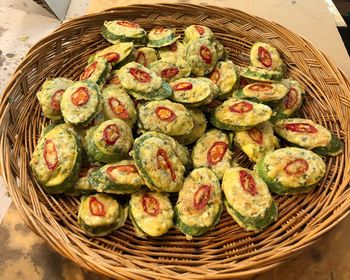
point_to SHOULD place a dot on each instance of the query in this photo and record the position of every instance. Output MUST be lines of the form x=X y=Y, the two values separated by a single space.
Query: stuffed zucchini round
x=118 y=104
x=145 y=56
x=166 y=117
x=263 y=55
x=118 y=178
x=176 y=50
x=50 y=95
x=97 y=71
x=143 y=83
x=211 y=150
x=199 y=205
x=194 y=32
x=151 y=213
x=161 y=36
x=309 y=135
x=201 y=55
x=56 y=159
x=257 y=141
x=82 y=186
x=248 y=199
x=238 y=114
x=291 y=170
x=158 y=164
x=261 y=74
x=117 y=31
x=81 y=102
x=108 y=142
x=100 y=214
x=171 y=69
x=225 y=76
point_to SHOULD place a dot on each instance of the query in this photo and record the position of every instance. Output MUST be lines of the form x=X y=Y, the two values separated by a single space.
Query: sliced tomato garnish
x=264 y=56
x=50 y=154
x=126 y=168
x=173 y=47
x=150 y=205
x=200 y=29
x=112 y=56
x=56 y=100
x=291 y=98
x=201 y=197
x=247 y=182
x=205 y=54
x=241 y=107
x=159 y=30
x=300 y=127
x=165 y=114
x=127 y=23
x=141 y=58
x=118 y=108
x=169 y=72
x=256 y=135
x=215 y=103
x=96 y=207
x=163 y=162
x=183 y=86
x=88 y=71
x=297 y=167
x=215 y=75
x=80 y=97
x=216 y=152
x=140 y=75
x=111 y=134
x=260 y=87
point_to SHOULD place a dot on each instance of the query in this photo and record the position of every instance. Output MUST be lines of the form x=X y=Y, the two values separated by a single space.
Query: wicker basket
x=228 y=252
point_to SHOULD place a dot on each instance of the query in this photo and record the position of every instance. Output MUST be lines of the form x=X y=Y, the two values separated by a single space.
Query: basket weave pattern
x=227 y=252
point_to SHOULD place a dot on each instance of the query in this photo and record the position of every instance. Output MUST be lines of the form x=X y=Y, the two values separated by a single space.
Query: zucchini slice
x=81 y=102
x=166 y=117
x=257 y=141
x=171 y=69
x=145 y=56
x=82 y=185
x=161 y=36
x=176 y=50
x=151 y=213
x=202 y=56
x=225 y=76
x=56 y=159
x=309 y=135
x=199 y=205
x=118 y=178
x=117 y=31
x=238 y=114
x=263 y=55
x=221 y=50
x=261 y=74
x=158 y=164
x=211 y=150
x=97 y=71
x=50 y=95
x=100 y=214
x=291 y=170
x=194 y=32
x=118 y=104
x=109 y=142
x=248 y=199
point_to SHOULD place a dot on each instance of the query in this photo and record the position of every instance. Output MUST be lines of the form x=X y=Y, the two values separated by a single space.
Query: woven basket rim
x=35 y=219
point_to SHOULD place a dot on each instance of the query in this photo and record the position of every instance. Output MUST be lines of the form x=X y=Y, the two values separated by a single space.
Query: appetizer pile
x=151 y=115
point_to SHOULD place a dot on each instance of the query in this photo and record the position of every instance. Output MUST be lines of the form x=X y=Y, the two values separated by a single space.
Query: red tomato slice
x=111 y=134
x=118 y=108
x=112 y=56
x=260 y=87
x=241 y=107
x=127 y=23
x=205 y=54
x=300 y=127
x=50 y=154
x=200 y=29
x=216 y=152
x=141 y=58
x=96 y=207
x=80 y=97
x=163 y=162
x=247 y=182
x=215 y=75
x=165 y=114
x=291 y=98
x=88 y=71
x=256 y=135
x=169 y=72
x=201 y=197
x=56 y=100
x=264 y=56
x=296 y=167
x=150 y=205
x=183 y=86
x=140 y=75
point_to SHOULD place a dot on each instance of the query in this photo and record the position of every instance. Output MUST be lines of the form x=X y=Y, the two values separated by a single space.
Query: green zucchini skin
x=334 y=148
x=164 y=92
x=168 y=39
x=261 y=74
